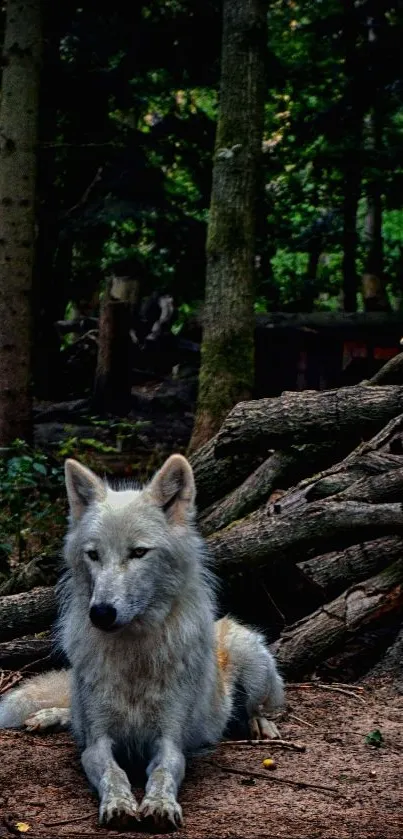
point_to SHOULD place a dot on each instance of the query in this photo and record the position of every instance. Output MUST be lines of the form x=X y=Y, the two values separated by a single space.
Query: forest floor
x=42 y=785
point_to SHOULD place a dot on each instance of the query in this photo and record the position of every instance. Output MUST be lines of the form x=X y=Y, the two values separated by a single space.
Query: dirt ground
x=42 y=785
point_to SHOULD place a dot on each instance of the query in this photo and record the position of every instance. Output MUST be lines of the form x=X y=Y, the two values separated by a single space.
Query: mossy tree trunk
x=227 y=364
x=18 y=139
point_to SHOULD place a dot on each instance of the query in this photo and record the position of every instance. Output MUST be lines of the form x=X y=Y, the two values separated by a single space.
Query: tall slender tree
x=18 y=138
x=227 y=363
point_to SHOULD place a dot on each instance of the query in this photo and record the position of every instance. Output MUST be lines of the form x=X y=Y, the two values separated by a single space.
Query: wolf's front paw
x=163 y=809
x=48 y=718
x=263 y=729
x=119 y=808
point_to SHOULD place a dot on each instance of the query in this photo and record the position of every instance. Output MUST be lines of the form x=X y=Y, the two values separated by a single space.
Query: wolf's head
x=131 y=551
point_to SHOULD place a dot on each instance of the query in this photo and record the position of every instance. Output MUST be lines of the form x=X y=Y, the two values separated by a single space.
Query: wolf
x=152 y=673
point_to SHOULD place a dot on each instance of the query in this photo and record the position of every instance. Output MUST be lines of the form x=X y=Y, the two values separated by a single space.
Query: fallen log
x=294 y=418
x=39 y=571
x=379 y=489
x=332 y=572
x=346 y=323
x=373 y=457
x=276 y=472
x=27 y=613
x=215 y=478
x=261 y=539
x=26 y=652
x=390 y=373
x=383 y=453
x=309 y=641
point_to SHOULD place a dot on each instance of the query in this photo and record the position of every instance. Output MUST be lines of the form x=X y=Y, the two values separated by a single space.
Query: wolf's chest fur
x=133 y=683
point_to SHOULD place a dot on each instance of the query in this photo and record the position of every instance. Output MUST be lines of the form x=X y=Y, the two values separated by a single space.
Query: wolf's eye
x=137 y=553
x=94 y=555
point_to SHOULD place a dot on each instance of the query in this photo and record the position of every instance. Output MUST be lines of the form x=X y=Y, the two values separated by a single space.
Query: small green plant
x=26 y=477
x=184 y=312
x=125 y=431
x=374 y=738
x=74 y=446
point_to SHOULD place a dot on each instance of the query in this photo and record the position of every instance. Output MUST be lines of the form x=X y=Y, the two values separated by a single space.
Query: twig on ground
x=8 y=680
x=11 y=677
x=247 y=772
x=276 y=744
x=334 y=688
x=69 y=821
x=303 y=722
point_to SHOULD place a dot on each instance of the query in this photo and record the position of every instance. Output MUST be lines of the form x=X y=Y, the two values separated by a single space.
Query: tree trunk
x=18 y=139
x=373 y=280
x=227 y=354
x=352 y=184
x=112 y=387
x=53 y=257
x=302 y=646
x=294 y=418
x=22 y=614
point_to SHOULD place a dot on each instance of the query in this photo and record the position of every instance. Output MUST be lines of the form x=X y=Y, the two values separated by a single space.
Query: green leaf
x=39 y=467
x=374 y=738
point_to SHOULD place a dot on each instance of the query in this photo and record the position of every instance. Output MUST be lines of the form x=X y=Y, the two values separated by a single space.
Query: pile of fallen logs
x=306 y=483
x=326 y=502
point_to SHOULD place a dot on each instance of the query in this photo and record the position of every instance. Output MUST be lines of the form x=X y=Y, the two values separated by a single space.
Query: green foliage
x=28 y=480
x=374 y=738
x=184 y=312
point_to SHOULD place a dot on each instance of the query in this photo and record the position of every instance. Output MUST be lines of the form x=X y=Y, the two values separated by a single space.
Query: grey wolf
x=152 y=673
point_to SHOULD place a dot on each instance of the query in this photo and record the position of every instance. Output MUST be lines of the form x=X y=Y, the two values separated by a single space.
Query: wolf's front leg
x=165 y=774
x=117 y=802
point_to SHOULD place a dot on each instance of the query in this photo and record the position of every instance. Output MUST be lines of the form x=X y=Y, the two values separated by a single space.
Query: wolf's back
x=45 y=691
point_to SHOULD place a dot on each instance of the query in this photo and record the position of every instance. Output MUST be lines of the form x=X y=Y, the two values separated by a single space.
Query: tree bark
x=227 y=353
x=112 y=387
x=214 y=478
x=382 y=454
x=301 y=417
x=302 y=646
x=27 y=613
x=276 y=472
x=28 y=651
x=261 y=540
x=333 y=571
x=390 y=373
x=18 y=139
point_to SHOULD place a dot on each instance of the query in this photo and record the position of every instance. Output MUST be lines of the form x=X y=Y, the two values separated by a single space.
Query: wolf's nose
x=103 y=616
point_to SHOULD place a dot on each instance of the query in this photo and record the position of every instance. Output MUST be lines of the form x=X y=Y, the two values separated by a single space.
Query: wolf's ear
x=173 y=488
x=83 y=487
